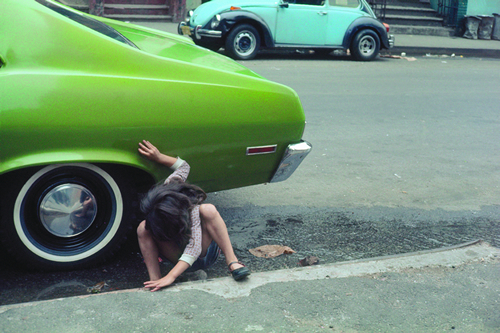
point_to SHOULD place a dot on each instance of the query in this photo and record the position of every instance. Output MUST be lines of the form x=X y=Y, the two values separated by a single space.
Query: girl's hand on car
x=148 y=150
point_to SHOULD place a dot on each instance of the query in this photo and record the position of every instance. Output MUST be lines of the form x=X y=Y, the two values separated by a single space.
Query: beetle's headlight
x=215 y=21
x=189 y=15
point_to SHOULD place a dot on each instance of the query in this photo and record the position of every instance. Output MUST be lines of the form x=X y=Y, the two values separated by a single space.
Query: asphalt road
x=392 y=133
x=405 y=158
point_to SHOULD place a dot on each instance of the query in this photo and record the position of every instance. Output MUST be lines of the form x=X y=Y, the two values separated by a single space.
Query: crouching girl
x=179 y=227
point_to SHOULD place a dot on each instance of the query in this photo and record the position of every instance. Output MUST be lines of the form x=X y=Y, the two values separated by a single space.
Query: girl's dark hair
x=167 y=209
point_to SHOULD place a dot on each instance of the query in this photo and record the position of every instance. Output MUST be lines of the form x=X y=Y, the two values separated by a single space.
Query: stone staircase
x=415 y=17
x=137 y=10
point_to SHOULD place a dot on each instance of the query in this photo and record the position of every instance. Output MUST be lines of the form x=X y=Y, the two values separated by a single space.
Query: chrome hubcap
x=367 y=45
x=245 y=43
x=68 y=210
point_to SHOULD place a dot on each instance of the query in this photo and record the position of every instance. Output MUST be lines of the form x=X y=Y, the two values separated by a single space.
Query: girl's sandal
x=239 y=273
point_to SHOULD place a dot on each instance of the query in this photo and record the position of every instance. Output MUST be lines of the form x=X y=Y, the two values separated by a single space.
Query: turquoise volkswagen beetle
x=243 y=27
x=78 y=92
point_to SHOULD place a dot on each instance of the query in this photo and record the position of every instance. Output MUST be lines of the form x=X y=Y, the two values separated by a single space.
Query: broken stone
x=309 y=261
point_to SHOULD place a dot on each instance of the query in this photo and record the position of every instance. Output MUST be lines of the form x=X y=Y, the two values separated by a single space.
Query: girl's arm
x=181 y=168
x=168 y=279
x=149 y=151
x=193 y=249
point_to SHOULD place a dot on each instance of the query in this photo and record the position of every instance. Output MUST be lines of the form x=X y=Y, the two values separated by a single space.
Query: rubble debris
x=199 y=275
x=398 y=57
x=271 y=251
x=309 y=261
x=97 y=288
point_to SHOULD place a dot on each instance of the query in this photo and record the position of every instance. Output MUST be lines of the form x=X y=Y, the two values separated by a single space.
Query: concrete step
x=421 y=30
x=407 y=3
x=153 y=13
x=80 y=7
x=410 y=11
x=414 y=17
x=413 y=20
x=136 y=2
x=128 y=6
x=127 y=9
x=136 y=9
x=138 y=17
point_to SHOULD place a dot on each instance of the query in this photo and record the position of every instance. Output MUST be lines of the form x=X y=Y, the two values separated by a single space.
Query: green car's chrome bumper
x=292 y=158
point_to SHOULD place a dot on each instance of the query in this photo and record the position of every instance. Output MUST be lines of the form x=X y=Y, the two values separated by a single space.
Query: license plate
x=186 y=30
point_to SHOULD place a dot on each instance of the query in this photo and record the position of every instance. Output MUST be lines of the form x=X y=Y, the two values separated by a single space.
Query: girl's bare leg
x=214 y=228
x=151 y=249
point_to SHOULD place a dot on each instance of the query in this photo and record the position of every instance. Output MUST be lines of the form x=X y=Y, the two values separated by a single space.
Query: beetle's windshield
x=88 y=22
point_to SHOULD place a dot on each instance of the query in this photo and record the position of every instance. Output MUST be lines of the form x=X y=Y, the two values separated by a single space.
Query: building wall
x=192 y=4
x=483 y=7
x=476 y=7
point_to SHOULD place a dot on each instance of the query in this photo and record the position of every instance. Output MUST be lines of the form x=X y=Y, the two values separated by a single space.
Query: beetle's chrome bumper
x=294 y=155
x=197 y=32
x=391 y=40
x=181 y=30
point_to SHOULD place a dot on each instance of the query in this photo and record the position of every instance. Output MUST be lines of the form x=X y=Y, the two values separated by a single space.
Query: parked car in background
x=78 y=94
x=243 y=27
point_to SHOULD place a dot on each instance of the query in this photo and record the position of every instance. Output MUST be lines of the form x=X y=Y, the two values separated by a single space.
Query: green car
x=243 y=27
x=77 y=95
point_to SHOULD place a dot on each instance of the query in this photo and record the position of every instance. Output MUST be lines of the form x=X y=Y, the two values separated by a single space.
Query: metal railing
x=378 y=7
x=448 y=9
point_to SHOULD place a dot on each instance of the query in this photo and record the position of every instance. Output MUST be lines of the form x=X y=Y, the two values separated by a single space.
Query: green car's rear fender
x=101 y=119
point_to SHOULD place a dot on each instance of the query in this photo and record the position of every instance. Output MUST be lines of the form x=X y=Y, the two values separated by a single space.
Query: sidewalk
x=455 y=289
x=412 y=45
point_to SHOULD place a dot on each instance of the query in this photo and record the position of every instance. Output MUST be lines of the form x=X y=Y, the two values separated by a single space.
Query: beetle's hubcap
x=68 y=210
x=245 y=43
x=367 y=45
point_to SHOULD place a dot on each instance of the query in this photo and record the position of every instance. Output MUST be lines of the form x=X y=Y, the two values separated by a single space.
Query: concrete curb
x=424 y=50
x=449 y=256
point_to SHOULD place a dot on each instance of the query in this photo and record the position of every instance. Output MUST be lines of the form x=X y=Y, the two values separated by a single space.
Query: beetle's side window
x=344 y=3
x=308 y=2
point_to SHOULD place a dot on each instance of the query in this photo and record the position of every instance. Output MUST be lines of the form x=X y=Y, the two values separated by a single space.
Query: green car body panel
x=71 y=95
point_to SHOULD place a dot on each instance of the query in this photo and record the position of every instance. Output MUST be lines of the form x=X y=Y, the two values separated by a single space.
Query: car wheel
x=64 y=216
x=243 y=42
x=365 y=45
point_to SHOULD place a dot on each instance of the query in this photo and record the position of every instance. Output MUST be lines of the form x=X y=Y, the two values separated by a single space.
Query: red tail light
x=261 y=150
x=386 y=27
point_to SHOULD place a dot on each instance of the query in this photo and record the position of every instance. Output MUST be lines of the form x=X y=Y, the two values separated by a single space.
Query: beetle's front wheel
x=64 y=216
x=243 y=42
